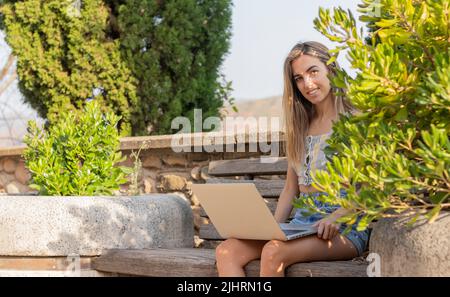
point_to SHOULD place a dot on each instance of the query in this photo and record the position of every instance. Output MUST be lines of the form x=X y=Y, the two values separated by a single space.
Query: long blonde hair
x=298 y=111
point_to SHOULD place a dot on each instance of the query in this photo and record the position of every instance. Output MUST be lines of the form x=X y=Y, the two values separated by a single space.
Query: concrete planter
x=60 y=226
x=422 y=250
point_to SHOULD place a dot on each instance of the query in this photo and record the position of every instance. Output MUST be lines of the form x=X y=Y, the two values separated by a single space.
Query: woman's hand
x=327 y=228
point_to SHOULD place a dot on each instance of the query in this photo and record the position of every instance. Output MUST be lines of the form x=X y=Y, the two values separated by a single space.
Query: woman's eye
x=314 y=72
x=298 y=79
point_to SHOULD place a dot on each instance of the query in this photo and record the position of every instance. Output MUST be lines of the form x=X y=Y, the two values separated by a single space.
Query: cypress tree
x=147 y=61
x=175 y=49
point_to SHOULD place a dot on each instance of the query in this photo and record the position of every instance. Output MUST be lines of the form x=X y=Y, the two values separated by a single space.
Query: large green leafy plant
x=77 y=156
x=393 y=158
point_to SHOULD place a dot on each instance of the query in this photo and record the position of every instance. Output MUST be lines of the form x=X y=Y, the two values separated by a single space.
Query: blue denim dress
x=359 y=239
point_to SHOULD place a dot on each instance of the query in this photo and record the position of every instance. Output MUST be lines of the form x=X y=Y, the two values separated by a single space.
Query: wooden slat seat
x=248 y=167
x=209 y=232
x=201 y=263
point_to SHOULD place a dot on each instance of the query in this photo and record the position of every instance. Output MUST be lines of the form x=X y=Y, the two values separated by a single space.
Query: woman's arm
x=290 y=190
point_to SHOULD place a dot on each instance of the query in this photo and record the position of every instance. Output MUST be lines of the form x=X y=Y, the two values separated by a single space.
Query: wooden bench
x=201 y=261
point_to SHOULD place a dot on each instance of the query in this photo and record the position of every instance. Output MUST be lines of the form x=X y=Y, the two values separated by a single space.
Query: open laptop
x=239 y=211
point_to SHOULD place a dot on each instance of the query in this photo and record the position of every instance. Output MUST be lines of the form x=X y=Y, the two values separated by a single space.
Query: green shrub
x=77 y=156
x=393 y=159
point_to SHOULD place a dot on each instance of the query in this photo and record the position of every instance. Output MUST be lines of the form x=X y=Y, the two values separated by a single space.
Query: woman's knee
x=273 y=251
x=227 y=249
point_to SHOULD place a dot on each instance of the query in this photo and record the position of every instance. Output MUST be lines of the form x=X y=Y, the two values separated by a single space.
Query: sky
x=14 y=114
x=263 y=33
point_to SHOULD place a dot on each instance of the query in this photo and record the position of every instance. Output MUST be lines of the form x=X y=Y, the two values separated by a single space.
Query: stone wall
x=14 y=177
x=164 y=169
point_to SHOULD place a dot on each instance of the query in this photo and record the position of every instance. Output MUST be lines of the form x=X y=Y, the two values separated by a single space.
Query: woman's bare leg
x=233 y=254
x=277 y=255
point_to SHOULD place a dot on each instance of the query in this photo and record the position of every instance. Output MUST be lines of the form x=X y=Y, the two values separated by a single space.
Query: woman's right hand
x=327 y=228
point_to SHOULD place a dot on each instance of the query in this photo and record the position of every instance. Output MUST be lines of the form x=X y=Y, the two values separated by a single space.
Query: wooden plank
x=247 y=167
x=267 y=188
x=42 y=263
x=209 y=232
x=271 y=203
x=158 y=262
x=317 y=269
x=187 y=262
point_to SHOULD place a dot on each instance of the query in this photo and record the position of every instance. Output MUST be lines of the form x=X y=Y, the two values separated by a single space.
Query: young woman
x=310 y=107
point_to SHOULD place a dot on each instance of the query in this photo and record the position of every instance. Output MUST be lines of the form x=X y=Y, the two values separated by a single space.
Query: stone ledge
x=198 y=142
x=46 y=226
x=12 y=151
x=165 y=141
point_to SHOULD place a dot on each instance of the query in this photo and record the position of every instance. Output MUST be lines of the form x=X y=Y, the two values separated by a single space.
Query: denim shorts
x=359 y=239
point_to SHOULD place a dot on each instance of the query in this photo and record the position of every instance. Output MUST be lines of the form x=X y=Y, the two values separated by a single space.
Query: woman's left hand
x=327 y=228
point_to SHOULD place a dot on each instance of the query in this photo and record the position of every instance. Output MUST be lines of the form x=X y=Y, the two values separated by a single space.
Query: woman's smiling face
x=310 y=75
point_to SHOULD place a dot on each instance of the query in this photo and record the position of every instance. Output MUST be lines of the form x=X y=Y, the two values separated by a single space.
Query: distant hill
x=254 y=109
x=270 y=106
